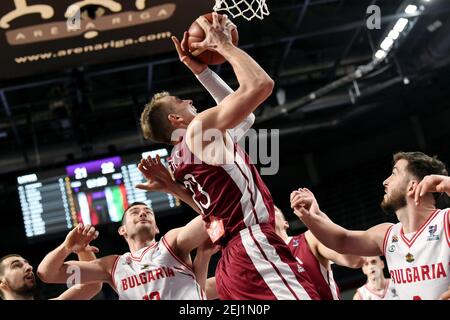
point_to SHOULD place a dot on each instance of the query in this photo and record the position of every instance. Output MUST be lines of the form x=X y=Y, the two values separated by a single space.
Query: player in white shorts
x=417 y=249
x=377 y=286
x=152 y=270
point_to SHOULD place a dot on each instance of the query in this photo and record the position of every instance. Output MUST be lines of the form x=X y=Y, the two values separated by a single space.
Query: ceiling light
x=401 y=25
x=411 y=9
x=387 y=44
x=380 y=54
x=393 y=35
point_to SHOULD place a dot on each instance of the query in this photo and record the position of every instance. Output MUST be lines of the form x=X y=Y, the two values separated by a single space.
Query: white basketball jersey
x=154 y=273
x=389 y=292
x=420 y=265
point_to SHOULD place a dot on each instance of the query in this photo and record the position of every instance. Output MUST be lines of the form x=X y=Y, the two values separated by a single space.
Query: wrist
x=66 y=249
x=224 y=48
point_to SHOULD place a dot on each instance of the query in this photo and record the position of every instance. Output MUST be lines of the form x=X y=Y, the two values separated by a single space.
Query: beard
x=394 y=202
x=25 y=289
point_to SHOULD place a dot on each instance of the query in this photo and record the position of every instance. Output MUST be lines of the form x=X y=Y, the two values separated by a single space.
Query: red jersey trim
x=143 y=253
x=409 y=243
x=385 y=241
x=386 y=287
x=447 y=226
x=174 y=255
x=113 y=270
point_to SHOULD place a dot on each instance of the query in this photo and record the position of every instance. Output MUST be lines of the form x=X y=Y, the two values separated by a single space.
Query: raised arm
x=201 y=262
x=323 y=252
x=185 y=239
x=83 y=291
x=54 y=269
x=217 y=88
x=432 y=183
x=333 y=236
x=159 y=178
x=254 y=83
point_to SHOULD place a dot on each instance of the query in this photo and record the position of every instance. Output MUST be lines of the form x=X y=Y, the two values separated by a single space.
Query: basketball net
x=248 y=9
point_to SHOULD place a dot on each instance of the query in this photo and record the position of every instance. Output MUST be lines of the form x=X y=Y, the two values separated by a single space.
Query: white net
x=247 y=9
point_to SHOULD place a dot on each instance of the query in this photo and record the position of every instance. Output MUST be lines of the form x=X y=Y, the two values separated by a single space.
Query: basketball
x=197 y=34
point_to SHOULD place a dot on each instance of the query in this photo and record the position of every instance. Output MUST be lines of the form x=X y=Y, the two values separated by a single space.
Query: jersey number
x=152 y=296
x=190 y=183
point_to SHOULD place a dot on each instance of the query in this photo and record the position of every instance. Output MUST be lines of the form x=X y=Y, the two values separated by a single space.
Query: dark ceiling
x=304 y=45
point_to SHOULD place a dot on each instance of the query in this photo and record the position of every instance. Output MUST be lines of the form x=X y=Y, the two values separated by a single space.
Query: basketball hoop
x=248 y=9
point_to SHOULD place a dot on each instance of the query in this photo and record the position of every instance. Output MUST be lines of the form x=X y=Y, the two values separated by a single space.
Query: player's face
x=18 y=275
x=373 y=267
x=395 y=187
x=280 y=221
x=141 y=220
x=183 y=108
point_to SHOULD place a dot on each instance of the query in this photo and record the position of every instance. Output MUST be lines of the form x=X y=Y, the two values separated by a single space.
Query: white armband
x=216 y=87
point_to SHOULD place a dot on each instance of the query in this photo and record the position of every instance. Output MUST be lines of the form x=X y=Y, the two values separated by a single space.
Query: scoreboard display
x=93 y=192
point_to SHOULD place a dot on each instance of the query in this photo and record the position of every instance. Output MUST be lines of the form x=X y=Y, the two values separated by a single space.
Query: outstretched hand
x=157 y=175
x=195 y=66
x=304 y=203
x=217 y=33
x=432 y=183
x=79 y=238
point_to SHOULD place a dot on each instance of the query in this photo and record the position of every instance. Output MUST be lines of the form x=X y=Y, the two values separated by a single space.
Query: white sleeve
x=218 y=89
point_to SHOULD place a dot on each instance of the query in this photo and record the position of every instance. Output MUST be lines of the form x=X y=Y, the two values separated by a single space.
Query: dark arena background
x=345 y=100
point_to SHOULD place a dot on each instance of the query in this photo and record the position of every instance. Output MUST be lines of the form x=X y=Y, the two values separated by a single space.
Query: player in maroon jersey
x=215 y=176
x=315 y=258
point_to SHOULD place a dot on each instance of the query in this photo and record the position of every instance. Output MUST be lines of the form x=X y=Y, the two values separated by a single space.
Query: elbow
x=43 y=274
x=266 y=86
x=262 y=87
x=46 y=275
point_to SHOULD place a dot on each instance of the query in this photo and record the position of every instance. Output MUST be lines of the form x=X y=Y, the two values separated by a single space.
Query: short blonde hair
x=154 y=122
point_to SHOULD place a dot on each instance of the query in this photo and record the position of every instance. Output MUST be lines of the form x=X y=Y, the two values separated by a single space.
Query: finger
x=199 y=45
x=91 y=232
x=417 y=194
x=143 y=187
x=203 y=23
x=80 y=228
x=158 y=159
x=224 y=22
x=93 y=249
x=426 y=187
x=215 y=17
x=184 y=42
x=303 y=212
x=176 y=42
x=86 y=229
x=148 y=162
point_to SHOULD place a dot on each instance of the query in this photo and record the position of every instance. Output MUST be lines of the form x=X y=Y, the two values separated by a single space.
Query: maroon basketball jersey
x=233 y=192
x=322 y=278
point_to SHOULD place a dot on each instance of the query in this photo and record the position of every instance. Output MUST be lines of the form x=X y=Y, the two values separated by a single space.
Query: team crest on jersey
x=295 y=243
x=127 y=259
x=409 y=257
x=394 y=238
x=432 y=230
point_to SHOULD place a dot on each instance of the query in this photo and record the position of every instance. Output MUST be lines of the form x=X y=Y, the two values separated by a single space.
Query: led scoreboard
x=93 y=192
